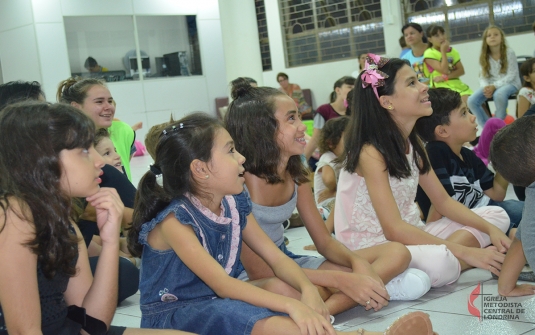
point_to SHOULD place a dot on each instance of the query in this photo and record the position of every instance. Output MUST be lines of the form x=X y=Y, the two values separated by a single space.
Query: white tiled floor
x=447 y=306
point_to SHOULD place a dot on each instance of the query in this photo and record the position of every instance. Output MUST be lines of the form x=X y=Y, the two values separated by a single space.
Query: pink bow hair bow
x=372 y=76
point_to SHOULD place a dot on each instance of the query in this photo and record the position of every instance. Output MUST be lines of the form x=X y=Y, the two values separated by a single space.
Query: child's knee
x=438 y=262
x=497 y=216
x=399 y=254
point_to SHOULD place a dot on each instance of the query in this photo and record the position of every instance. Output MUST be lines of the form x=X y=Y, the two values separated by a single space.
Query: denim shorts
x=208 y=315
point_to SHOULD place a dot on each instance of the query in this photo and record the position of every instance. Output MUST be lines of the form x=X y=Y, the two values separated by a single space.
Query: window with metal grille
x=317 y=31
x=263 y=34
x=465 y=20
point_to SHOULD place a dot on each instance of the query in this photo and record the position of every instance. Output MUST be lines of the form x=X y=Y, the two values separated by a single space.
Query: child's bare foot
x=310 y=247
x=414 y=323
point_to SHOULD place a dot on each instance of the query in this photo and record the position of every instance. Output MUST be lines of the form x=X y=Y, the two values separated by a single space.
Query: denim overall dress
x=172 y=296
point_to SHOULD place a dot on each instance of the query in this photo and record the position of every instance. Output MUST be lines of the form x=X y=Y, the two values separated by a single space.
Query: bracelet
x=445 y=77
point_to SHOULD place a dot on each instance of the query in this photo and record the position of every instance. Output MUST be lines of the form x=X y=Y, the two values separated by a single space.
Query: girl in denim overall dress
x=190 y=216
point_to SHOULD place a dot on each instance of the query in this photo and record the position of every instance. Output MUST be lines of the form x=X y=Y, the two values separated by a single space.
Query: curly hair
x=32 y=136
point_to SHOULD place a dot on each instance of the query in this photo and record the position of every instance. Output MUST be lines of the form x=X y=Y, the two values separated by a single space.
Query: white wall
x=33 y=47
x=321 y=77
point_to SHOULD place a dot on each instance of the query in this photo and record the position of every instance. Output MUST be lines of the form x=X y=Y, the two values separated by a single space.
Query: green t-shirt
x=122 y=136
x=454 y=84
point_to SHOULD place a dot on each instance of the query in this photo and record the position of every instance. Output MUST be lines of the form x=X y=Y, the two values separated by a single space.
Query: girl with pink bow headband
x=385 y=162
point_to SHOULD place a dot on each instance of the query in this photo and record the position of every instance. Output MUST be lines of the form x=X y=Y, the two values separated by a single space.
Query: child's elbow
x=390 y=233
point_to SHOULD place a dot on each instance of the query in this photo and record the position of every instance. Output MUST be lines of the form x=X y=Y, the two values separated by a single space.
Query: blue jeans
x=513 y=208
x=501 y=99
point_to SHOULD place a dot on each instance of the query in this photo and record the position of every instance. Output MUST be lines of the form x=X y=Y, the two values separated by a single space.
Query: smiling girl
x=92 y=97
x=385 y=163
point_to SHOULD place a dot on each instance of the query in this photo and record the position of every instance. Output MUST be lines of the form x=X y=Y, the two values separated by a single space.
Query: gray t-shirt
x=271 y=219
x=526 y=228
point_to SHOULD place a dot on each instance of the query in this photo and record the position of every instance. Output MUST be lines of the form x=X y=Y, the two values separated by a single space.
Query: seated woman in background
x=294 y=92
x=416 y=41
x=526 y=96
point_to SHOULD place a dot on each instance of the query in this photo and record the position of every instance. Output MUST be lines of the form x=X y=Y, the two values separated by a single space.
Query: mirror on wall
x=105 y=47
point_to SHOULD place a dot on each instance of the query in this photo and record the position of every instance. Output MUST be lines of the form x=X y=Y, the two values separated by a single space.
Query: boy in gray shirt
x=512 y=154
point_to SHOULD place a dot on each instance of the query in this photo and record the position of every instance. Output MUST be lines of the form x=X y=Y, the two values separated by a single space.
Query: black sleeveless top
x=53 y=306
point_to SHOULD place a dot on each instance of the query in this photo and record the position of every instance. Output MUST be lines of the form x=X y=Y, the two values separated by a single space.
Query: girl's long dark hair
x=32 y=136
x=372 y=124
x=182 y=141
x=251 y=122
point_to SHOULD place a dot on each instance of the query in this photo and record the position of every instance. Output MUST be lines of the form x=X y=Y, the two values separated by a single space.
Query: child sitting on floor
x=514 y=157
x=464 y=175
x=327 y=169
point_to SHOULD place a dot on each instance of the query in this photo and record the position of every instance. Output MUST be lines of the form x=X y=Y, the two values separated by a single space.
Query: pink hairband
x=371 y=75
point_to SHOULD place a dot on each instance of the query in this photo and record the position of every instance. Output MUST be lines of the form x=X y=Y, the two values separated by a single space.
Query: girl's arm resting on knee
x=457 y=212
x=523 y=106
x=182 y=239
x=98 y=295
x=499 y=189
x=357 y=286
x=327 y=246
x=512 y=266
x=373 y=169
x=284 y=268
x=19 y=293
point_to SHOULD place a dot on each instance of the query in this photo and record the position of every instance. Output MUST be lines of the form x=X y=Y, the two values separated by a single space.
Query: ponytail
x=150 y=200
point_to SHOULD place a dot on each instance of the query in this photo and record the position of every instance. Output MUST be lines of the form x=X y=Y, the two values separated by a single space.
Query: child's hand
x=520 y=290
x=486 y=259
x=363 y=289
x=499 y=240
x=109 y=213
x=308 y=321
x=488 y=91
x=438 y=79
x=444 y=47
x=312 y=299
